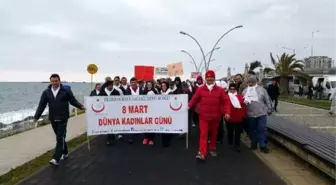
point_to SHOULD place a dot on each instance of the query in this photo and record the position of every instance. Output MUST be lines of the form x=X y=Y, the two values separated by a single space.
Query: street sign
x=92 y=69
x=161 y=71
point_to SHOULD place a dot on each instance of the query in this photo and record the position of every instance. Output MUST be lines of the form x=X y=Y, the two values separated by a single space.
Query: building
x=318 y=62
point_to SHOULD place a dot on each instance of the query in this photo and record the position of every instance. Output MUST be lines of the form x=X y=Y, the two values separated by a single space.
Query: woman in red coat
x=235 y=123
x=213 y=103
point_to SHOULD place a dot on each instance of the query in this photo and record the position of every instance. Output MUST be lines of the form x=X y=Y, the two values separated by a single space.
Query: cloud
x=39 y=37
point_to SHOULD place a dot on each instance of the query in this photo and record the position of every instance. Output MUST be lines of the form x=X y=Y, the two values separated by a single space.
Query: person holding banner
x=109 y=90
x=124 y=85
x=149 y=90
x=214 y=102
x=118 y=86
x=133 y=89
x=165 y=90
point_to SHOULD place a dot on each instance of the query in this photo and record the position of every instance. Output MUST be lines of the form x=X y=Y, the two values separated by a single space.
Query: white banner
x=161 y=71
x=136 y=114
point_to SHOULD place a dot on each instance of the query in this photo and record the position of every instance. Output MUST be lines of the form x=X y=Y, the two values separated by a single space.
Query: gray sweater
x=261 y=107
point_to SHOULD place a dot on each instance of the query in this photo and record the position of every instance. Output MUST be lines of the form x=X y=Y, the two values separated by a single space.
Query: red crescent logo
x=99 y=110
x=175 y=109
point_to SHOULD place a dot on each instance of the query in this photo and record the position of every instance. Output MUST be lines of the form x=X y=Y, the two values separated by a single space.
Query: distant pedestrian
x=57 y=97
x=274 y=92
x=333 y=102
x=95 y=92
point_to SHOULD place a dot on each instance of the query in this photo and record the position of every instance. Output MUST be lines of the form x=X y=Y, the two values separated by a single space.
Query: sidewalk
x=21 y=148
x=311 y=117
x=136 y=164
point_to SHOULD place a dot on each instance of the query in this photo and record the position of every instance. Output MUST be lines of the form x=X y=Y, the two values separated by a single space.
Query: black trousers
x=233 y=133
x=166 y=139
x=275 y=101
x=110 y=137
x=60 y=129
x=149 y=136
x=220 y=135
x=195 y=118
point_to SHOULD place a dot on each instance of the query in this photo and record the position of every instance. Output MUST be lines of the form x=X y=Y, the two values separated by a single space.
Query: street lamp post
x=192 y=58
x=206 y=56
x=204 y=66
x=199 y=45
x=207 y=66
x=312 y=42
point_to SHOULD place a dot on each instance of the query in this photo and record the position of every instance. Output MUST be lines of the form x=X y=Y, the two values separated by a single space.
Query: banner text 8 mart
x=136 y=114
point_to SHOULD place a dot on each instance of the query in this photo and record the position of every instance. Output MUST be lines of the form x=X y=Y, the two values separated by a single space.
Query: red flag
x=144 y=72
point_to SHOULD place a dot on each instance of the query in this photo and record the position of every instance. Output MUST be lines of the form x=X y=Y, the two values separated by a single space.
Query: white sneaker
x=120 y=136
x=64 y=157
x=53 y=162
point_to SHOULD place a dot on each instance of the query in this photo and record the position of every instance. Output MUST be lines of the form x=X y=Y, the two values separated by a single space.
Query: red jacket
x=212 y=104
x=237 y=115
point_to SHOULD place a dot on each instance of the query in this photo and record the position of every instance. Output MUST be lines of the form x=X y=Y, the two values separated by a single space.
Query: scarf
x=210 y=87
x=118 y=89
x=234 y=100
x=108 y=92
x=125 y=86
x=167 y=92
x=251 y=94
x=198 y=85
x=150 y=92
x=136 y=92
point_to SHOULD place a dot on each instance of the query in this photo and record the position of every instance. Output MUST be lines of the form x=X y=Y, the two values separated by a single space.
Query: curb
x=268 y=164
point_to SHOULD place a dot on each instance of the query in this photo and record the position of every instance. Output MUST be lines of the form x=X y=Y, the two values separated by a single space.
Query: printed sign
x=195 y=74
x=92 y=69
x=161 y=71
x=136 y=114
x=175 y=69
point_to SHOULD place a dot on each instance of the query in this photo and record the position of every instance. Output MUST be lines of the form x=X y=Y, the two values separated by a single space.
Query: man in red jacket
x=213 y=104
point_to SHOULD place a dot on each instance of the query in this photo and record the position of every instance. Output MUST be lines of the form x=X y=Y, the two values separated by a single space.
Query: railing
x=21 y=121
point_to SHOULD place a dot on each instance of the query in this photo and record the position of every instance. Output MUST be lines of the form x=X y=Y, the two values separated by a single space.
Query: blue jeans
x=258 y=130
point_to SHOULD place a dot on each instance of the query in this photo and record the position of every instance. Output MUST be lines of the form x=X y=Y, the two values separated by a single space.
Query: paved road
x=124 y=164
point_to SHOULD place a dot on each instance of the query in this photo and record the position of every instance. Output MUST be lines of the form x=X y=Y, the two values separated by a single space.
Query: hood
x=199 y=78
x=179 y=80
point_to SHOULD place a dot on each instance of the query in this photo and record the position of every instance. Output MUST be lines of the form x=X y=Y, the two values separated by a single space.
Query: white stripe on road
x=312 y=115
x=323 y=127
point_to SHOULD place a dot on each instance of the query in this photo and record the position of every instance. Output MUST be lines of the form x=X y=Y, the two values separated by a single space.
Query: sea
x=19 y=100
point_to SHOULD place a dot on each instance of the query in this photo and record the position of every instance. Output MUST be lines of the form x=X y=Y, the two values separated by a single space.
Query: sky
x=40 y=37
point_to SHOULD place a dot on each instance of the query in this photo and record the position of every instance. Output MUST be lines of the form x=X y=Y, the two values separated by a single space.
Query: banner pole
x=187 y=140
x=87 y=136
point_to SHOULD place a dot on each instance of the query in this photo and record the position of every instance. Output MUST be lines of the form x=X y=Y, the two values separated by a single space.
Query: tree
x=286 y=66
x=254 y=65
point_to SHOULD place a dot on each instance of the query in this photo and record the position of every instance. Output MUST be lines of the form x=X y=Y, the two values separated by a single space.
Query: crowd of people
x=241 y=103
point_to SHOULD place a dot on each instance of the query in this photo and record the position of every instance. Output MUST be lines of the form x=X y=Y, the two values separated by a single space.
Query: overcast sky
x=40 y=37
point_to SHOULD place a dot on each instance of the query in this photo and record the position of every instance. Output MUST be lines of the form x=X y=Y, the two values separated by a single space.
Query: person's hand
x=83 y=108
x=227 y=116
x=269 y=113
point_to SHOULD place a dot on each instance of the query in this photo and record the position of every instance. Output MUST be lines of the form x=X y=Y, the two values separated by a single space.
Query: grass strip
x=321 y=104
x=16 y=175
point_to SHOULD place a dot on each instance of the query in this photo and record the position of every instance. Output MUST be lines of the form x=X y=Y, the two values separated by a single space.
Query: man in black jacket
x=133 y=89
x=57 y=98
x=273 y=92
x=95 y=92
